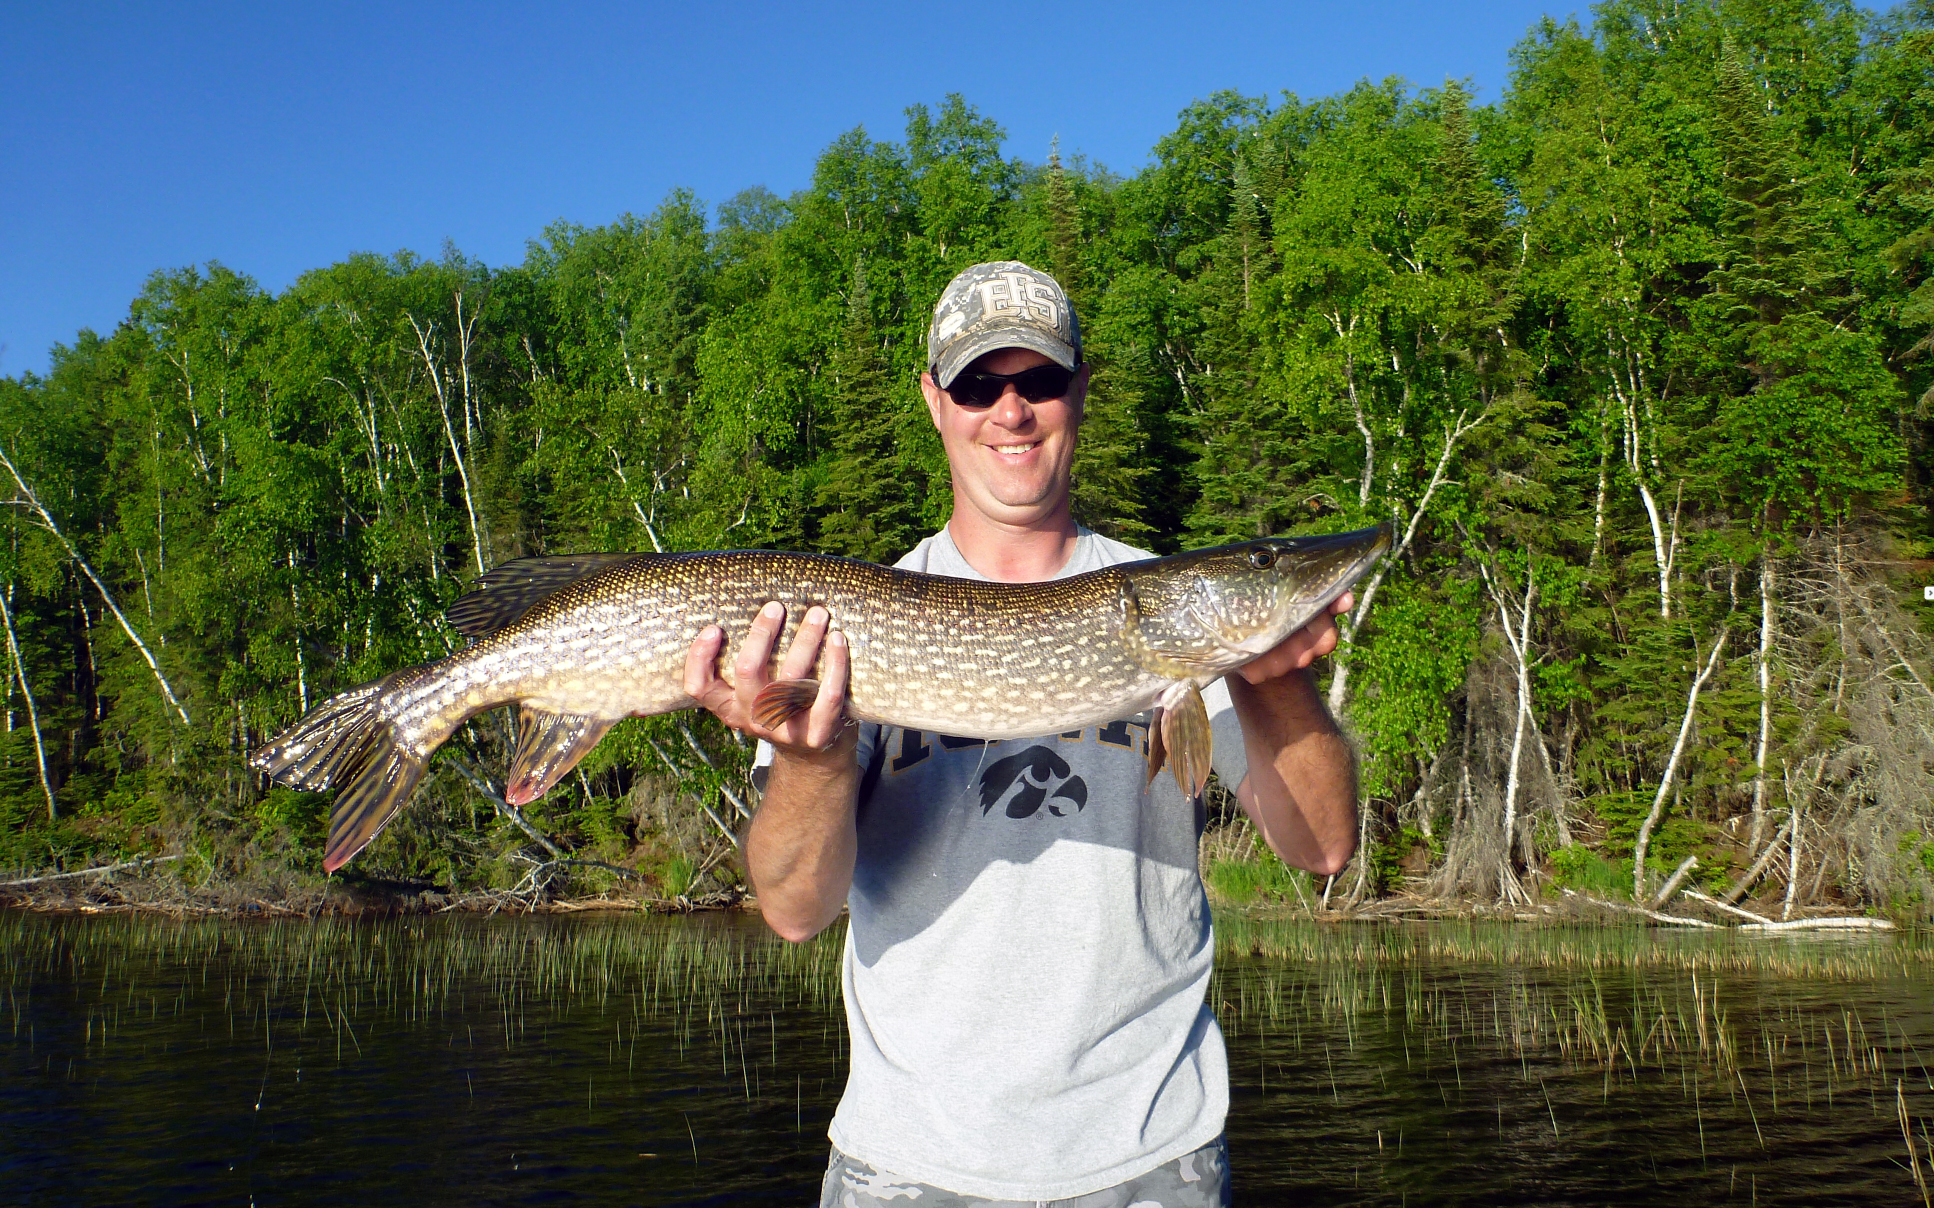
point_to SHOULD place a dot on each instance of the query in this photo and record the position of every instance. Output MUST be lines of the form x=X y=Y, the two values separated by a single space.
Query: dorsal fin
x=512 y=589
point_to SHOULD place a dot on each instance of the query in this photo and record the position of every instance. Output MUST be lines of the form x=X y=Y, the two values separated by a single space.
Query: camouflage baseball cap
x=1004 y=304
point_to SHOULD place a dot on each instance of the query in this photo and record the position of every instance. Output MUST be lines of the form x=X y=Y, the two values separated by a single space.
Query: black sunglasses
x=1036 y=385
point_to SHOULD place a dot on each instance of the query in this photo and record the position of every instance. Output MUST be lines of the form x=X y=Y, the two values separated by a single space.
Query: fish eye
x=1262 y=559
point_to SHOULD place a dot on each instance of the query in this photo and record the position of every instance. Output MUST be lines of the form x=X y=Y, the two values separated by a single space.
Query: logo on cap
x=1017 y=291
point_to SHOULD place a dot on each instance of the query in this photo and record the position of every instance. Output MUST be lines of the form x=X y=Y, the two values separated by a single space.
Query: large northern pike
x=579 y=642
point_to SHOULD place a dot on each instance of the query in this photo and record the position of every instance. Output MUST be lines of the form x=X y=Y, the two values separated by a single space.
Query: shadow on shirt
x=936 y=811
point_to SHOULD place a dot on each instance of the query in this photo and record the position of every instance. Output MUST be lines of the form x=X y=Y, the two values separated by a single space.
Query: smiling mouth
x=1015 y=450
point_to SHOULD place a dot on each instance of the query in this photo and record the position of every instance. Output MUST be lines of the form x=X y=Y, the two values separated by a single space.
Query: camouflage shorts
x=1194 y=1180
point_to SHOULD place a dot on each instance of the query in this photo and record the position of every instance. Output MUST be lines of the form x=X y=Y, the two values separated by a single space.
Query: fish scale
x=582 y=641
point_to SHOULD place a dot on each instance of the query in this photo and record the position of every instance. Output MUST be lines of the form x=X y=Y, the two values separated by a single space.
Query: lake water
x=622 y=1059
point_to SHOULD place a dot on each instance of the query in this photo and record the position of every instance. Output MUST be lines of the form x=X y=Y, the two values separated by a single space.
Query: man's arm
x=800 y=846
x=1301 y=790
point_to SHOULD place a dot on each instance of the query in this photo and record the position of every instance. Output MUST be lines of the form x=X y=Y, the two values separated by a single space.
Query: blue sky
x=278 y=137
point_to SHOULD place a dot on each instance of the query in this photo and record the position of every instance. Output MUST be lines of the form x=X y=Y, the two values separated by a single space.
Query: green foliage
x=1387 y=855
x=1914 y=849
x=676 y=876
x=1262 y=876
x=300 y=820
x=1412 y=667
x=1580 y=868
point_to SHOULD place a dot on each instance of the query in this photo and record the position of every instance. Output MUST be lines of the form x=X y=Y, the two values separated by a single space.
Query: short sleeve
x=761 y=765
x=1231 y=759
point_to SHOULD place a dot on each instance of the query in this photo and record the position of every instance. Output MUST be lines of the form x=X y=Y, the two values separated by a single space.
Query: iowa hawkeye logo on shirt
x=1037 y=776
x=1035 y=770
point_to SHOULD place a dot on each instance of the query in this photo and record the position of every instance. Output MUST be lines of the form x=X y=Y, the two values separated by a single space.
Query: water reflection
x=620 y=1059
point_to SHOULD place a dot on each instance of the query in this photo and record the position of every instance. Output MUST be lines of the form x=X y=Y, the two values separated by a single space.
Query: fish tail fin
x=386 y=775
x=347 y=743
x=320 y=751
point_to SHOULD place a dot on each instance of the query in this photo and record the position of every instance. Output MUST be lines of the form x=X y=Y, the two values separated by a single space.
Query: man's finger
x=804 y=651
x=701 y=662
x=828 y=714
x=1297 y=651
x=755 y=652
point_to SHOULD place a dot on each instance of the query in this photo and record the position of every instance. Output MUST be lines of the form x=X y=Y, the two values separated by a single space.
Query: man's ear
x=1078 y=392
x=931 y=393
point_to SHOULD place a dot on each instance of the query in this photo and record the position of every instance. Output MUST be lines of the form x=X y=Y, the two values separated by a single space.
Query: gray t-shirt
x=1029 y=952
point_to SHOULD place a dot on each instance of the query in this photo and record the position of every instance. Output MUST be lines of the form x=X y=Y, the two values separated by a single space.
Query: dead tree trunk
x=1766 y=621
x=1672 y=765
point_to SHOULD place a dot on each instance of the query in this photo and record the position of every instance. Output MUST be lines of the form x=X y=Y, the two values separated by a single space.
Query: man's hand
x=1300 y=649
x=818 y=732
x=1301 y=787
x=800 y=847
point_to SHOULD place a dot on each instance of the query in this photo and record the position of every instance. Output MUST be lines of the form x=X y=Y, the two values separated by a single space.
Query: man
x=1029 y=945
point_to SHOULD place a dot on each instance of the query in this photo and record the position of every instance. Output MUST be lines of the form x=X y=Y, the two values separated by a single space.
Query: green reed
x=1761 y=1037
x=344 y=974
x=1817 y=956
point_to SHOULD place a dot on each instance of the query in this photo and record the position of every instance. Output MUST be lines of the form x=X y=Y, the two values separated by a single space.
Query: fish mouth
x=1328 y=566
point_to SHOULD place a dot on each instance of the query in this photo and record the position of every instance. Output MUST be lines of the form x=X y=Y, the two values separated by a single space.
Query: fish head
x=1204 y=613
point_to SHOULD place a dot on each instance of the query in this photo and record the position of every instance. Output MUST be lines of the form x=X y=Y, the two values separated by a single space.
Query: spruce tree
x=1803 y=404
x=870 y=509
x=1064 y=232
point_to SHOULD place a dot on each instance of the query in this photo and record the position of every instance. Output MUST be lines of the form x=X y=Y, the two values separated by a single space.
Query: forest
x=1635 y=360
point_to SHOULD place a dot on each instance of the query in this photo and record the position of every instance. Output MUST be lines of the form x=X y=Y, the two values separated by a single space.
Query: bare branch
x=47 y=520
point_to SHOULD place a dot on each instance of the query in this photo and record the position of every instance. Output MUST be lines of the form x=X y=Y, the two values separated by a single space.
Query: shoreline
x=359 y=899
x=78 y=895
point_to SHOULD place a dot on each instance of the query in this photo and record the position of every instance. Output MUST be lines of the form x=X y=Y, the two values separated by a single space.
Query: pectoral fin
x=779 y=700
x=1157 y=753
x=549 y=745
x=1186 y=740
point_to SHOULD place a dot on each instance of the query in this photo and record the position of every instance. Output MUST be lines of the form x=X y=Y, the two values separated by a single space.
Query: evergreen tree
x=869 y=510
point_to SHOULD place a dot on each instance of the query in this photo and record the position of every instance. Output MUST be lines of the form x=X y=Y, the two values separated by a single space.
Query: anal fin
x=1187 y=741
x=548 y=746
x=779 y=700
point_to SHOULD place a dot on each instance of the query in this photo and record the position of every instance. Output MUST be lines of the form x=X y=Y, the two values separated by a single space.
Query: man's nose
x=1010 y=409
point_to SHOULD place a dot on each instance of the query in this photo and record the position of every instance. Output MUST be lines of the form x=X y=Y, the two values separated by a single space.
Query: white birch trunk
x=1665 y=544
x=1353 y=621
x=33 y=715
x=1519 y=641
x=1672 y=766
x=1604 y=487
x=423 y=334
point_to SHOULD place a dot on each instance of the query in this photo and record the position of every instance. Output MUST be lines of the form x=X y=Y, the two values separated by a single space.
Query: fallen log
x=1728 y=907
x=90 y=872
x=1654 y=915
x=1841 y=924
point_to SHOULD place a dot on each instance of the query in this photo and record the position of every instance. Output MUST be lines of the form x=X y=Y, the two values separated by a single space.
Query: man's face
x=1012 y=460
